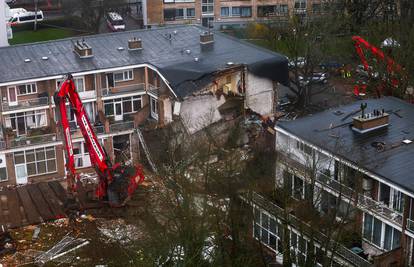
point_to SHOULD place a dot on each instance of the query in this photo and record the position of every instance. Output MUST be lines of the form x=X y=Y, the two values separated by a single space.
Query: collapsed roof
x=175 y=51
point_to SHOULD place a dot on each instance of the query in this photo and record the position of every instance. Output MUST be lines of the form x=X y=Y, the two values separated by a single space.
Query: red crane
x=391 y=66
x=116 y=182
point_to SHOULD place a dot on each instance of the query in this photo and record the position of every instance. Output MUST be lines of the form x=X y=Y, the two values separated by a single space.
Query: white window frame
x=154 y=107
x=45 y=160
x=208 y=4
x=83 y=157
x=382 y=237
x=32 y=86
x=127 y=75
x=122 y=100
x=37 y=120
x=76 y=81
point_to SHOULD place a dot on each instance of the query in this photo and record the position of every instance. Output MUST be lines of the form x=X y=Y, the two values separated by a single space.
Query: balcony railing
x=379 y=209
x=152 y=89
x=32 y=140
x=335 y=185
x=122 y=126
x=121 y=90
x=340 y=250
x=30 y=103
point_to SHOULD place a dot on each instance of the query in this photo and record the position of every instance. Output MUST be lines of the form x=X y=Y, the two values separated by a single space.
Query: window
x=235 y=11
x=38 y=161
x=81 y=155
x=303 y=147
x=26 y=89
x=266 y=229
x=21 y=122
x=384 y=194
x=300 y=4
x=207 y=6
x=246 y=11
x=129 y=105
x=190 y=12
x=381 y=234
x=123 y=76
x=225 y=12
x=154 y=108
x=169 y=14
x=264 y=11
x=3 y=174
x=79 y=83
x=298 y=188
x=284 y=9
x=179 y=13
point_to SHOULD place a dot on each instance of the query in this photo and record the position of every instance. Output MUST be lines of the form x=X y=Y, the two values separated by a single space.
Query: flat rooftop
x=172 y=50
x=331 y=131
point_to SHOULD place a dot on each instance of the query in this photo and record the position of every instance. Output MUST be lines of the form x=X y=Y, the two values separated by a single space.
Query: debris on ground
x=36 y=233
x=118 y=231
x=7 y=244
x=59 y=252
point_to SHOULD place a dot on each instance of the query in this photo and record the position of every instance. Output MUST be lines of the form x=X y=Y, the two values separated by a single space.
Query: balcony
x=153 y=90
x=23 y=141
x=335 y=185
x=123 y=90
x=379 y=209
x=341 y=251
x=30 y=103
x=121 y=126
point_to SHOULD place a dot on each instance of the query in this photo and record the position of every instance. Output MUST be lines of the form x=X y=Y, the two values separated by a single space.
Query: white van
x=115 y=22
x=21 y=15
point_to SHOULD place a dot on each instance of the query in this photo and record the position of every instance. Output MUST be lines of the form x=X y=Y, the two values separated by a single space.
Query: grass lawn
x=21 y=37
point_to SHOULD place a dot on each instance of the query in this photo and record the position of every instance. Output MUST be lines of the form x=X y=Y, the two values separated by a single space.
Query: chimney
x=206 y=41
x=83 y=49
x=371 y=121
x=206 y=38
x=135 y=44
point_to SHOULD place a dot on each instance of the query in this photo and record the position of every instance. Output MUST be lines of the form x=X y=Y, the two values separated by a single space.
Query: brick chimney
x=83 y=49
x=135 y=44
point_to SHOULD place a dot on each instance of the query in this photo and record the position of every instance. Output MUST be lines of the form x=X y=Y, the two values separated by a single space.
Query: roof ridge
x=77 y=37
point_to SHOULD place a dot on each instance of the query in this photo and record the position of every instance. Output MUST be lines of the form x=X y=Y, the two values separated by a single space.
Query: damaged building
x=125 y=80
x=353 y=163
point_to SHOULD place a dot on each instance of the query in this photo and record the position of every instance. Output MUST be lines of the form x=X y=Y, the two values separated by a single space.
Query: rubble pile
x=117 y=231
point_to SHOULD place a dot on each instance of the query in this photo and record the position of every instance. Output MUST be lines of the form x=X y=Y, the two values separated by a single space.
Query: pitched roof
x=169 y=55
x=395 y=164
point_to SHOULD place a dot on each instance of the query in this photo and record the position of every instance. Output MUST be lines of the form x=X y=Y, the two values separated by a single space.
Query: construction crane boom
x=116 y=182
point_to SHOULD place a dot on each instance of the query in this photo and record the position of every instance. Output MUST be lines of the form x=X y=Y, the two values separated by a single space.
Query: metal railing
x=335 y=185
x=29 y=103
x=379 y=209
x=121 y=90
x=32 y=140
x=153 y=89
x=340 y=250
x=122 y=126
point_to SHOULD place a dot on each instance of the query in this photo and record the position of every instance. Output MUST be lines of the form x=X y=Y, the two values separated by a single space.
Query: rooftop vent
x=135 y=44
x=83 y=49
x=27 y=60
x=371 y=121
x=45 y=58
x=206 y=40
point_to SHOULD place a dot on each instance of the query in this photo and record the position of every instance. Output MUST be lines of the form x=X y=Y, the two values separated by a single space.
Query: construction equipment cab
x=116 y=182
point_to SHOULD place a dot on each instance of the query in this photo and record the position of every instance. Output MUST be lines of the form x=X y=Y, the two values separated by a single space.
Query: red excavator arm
x=392 y=66
x=116 y=182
